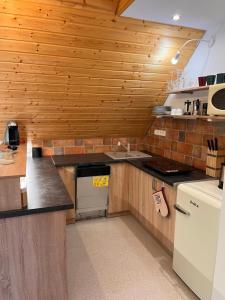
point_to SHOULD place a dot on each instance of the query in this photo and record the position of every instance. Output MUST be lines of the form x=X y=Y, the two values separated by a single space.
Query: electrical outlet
x=163 y=132
x=160 y=132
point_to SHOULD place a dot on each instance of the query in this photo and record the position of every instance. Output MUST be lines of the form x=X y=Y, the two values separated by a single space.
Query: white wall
x=203 y=14
x=205 y=61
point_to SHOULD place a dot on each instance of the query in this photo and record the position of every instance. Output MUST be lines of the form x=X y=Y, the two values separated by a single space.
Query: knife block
x=214 y=162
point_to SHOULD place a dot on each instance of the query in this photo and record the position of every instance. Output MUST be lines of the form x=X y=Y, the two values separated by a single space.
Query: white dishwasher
x=196 y=234
x=92 y=191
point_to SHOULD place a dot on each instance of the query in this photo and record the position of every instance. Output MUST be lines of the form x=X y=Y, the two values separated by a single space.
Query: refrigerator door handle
x=181 y=210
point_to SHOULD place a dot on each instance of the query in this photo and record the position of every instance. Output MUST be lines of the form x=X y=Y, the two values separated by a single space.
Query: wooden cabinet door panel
x=118 y=189
x=147 y=203
x=134 y=190
x=67 y=175
x=141 y=205
x=166 y=225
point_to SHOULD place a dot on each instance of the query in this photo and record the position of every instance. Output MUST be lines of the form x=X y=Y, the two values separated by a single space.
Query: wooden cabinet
x=140 y=195
x=33 y=257
x=118 y=189
x=164 y=227
x=141 y=186
x=135 y=189
x=161 y=227
x=131 y=189
x=67 y=175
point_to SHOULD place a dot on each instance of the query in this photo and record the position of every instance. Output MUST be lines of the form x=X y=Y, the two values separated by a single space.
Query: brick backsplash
x=81 y=146
x=185 y=141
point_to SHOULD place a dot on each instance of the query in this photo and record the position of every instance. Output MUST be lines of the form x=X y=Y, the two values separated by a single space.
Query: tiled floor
x=116 y=259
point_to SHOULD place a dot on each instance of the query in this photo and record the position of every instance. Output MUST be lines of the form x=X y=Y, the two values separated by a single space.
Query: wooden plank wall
x=73 y=70
x=122 y=6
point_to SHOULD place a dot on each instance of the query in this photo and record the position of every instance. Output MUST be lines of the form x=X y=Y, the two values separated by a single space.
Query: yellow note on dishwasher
x=100 y=181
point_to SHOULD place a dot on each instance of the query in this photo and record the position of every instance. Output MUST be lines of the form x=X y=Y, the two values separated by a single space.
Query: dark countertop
x=99 y=158
x=81 y=159
x=173 y=180
x=45 y=190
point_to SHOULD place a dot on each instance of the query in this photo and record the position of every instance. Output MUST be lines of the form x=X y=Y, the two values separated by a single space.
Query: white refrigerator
x=196 y=235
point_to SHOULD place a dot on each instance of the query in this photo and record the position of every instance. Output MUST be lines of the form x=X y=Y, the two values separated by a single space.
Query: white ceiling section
x=202 y=14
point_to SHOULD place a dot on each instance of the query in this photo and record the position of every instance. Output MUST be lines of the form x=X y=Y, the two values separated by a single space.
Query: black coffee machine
x=12 y=137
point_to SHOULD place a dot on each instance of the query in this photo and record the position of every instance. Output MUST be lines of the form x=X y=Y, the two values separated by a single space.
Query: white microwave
x=216 y=99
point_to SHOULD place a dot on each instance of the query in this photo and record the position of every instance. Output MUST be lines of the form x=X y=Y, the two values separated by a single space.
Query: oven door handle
x=181 y=210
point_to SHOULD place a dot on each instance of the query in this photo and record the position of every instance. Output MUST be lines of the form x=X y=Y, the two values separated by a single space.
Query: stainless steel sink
x=127 y=155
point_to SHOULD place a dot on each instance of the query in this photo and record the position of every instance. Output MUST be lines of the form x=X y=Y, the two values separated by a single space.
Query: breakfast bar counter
x=45 y=190
x=33 y=239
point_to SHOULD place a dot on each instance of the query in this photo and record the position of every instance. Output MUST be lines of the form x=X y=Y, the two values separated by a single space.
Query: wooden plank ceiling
x=122 y=5
x=72 y=68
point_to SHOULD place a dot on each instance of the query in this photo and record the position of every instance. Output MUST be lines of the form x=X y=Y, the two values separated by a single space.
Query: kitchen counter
x=99 y=158
x=81 y=159
x=33 y=240
x=18 y=169
x=45 y=190
x=173 y=180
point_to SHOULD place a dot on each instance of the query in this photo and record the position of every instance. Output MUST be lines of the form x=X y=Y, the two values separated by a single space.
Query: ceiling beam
x=122 y=6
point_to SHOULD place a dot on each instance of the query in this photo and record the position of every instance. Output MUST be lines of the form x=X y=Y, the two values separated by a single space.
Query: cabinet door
x=146 y=205
x=118 y=189
x=134 y=186
x=165 y=226
x=67 y=176
x=141 y=205
x=140 y=195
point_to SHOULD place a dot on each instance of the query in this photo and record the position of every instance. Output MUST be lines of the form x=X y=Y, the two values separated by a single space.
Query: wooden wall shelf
x=189 y=90
x=206 y=118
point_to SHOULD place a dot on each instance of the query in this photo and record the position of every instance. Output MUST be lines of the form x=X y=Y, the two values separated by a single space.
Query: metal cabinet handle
x=181 y=210
x=154 y=184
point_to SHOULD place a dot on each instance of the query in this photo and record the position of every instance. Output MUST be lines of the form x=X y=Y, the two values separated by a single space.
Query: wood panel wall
x=122 y=6
x=70 y=70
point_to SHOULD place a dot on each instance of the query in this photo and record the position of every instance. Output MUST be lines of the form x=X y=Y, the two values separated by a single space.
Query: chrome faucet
x=127 y=148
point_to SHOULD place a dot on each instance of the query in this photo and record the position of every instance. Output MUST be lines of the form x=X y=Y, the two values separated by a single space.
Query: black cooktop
x=167 y=166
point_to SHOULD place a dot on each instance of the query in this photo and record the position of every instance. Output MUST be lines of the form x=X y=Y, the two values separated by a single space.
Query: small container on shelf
x=214 y=161
x=161 y=110
x=187 y=105
x=204 y=109
x=202 y=80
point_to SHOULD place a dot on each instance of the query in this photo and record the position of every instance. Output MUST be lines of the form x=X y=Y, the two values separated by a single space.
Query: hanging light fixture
x=177 y=56
x=176 y=17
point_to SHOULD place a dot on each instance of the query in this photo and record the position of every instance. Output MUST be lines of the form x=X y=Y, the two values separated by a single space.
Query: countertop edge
x=42 y=178
x=167 y=180
x=33 y=211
